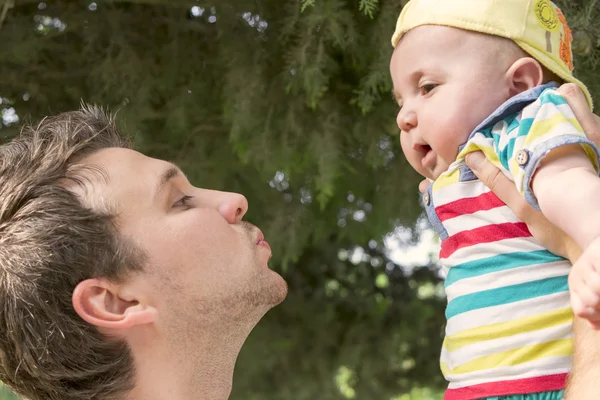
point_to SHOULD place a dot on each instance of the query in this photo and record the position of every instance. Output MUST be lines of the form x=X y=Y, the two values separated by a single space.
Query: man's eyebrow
x=170 y=173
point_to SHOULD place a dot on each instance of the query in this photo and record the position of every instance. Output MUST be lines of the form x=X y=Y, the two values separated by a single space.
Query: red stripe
x=470 y=205
x=538 y=384
x=484 y=234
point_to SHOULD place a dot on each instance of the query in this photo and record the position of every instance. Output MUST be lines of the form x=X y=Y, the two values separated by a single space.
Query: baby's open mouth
x=428 y=158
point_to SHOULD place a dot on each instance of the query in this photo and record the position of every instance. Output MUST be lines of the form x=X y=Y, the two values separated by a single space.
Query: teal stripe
x=499 y=262
x=525 y=126
x=487 y=132
x=550 y=97
x=506 y=295
x=513 y=123
x=554 y=395
x=506 y=153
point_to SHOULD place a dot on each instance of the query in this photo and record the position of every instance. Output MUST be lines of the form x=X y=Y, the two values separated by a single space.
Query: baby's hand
x=424 y=185
x=584 y=285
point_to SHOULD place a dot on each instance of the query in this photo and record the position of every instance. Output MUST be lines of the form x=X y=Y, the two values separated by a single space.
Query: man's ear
x=524 y=74
x=108 y=305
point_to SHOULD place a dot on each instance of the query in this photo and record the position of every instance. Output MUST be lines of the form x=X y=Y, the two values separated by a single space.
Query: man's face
x=446 y=81
x=204 y=264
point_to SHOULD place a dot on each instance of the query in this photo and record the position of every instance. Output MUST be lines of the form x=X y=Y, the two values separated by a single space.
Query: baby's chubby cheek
x=448 y=148
x=448 y=155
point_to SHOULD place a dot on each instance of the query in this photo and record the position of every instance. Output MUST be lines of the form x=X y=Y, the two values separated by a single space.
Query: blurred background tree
x=287 y=102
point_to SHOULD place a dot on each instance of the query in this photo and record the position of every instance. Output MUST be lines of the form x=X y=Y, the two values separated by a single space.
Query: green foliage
x=289 y=103
x=306 y=3
x=6 y=394
x=368 y=6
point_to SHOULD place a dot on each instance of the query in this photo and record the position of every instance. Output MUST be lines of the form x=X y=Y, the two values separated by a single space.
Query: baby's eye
x=428 y=87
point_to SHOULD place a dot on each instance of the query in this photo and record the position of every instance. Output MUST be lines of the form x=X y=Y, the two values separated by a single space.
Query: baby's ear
x=524 y=74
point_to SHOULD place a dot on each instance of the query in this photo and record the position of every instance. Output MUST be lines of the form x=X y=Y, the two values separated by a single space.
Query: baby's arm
x=568 y=193
x=567 y=189
x=555 y=166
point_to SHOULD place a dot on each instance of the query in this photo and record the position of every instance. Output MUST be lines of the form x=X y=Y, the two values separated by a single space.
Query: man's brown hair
x=49 y=242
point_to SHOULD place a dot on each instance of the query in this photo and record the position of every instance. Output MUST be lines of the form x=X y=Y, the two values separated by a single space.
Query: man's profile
x=118 y=278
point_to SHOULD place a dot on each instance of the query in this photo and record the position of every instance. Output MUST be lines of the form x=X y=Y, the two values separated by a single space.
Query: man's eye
x=425 y=89
x=183 y=202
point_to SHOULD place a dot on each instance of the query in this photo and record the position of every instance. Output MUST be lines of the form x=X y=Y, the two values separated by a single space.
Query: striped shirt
x=508 y=315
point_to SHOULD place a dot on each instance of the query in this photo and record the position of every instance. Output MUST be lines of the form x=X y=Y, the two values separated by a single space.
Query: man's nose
x=232 y=206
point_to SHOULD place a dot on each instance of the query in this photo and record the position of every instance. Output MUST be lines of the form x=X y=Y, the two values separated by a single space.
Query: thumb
x=475 y=160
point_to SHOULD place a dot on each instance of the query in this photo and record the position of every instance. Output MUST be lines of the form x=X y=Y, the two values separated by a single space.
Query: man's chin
x=278 y=289
x=269 y=288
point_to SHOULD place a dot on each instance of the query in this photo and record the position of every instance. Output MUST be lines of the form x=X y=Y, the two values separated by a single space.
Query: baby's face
x=446 y=82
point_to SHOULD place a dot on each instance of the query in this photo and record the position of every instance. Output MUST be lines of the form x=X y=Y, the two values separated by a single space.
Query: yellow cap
x=537 y=26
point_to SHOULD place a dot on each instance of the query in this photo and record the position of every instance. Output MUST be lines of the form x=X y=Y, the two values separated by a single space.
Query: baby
x=474 y=75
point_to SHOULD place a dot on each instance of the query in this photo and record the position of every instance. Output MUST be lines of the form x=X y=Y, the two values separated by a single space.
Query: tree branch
x=172 y=3
x=6 y=5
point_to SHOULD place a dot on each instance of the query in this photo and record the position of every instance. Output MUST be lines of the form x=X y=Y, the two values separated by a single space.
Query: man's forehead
x=113 y=173
x=116 y=158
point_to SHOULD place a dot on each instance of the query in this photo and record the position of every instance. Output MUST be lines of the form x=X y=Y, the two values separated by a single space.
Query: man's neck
x=164 y=371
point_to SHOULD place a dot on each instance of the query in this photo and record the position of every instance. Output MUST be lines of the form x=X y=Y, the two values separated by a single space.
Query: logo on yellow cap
x=546 y=15
x=565 y=41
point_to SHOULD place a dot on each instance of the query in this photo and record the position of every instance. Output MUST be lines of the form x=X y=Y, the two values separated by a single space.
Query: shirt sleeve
x=544 y=125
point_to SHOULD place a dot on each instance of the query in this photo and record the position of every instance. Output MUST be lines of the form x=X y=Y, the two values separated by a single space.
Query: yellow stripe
x=489 y=152
x=541 y=128
x=517 y=173
x=446 y=179
x=525 y=354
x=451 y=177
x=509 y=328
